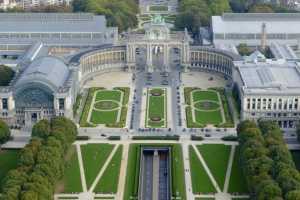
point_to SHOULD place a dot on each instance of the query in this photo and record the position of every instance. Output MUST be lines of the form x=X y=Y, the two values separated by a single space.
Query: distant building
x=56 y=28
x=236 y=28
x=28 y=4
x=269 y=90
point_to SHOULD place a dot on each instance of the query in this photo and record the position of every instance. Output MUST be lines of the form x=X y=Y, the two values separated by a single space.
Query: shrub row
x=168 y=137
x=267 y=163
x=41 y=162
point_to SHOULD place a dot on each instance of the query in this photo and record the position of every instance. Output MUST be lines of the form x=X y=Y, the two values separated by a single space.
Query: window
x=61 y=103
x=4 y=104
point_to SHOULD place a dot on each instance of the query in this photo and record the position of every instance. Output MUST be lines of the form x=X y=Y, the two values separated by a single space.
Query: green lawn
x=216 y=157
x=132 y=172
x=94 y=157
x=132 y=175
x=106 y=100
x=208 y=102
x=109 y=181
x=104 y=117
x=86 y=109
x=108 y=95
x=72 y=181
x=208 y=117
x=156 y=108
x=201 y=95
x=237 y=183
x=8 y=160
x=200 y=180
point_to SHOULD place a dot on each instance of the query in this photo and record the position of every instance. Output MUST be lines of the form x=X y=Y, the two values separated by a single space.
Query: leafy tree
x=4 y=130
x=218 y=7
x=41 y=129
x=293 y=195
x=6 y=75
x=268 y=190
x=243 y=49
x=261 y=8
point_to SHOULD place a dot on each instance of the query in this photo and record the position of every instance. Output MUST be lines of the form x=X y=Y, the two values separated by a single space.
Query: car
x=207 y=135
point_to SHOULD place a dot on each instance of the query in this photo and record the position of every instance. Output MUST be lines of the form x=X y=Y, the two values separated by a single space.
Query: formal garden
x=207 y=107
x=100 y=170
x=156 y=111
x=105 y=107
x=215 y=169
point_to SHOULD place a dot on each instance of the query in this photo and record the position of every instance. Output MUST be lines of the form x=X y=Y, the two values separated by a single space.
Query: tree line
x=41 y=163
x=195 y=13
x=120 y=13
x=267 y=163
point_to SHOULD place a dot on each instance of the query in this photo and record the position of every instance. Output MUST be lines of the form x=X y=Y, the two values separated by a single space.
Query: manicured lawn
x=104 y=117
x=94 y=156
x=200 y=180
x=72 y=181
x=108 y=95
x=132 y=172
x=205 y=95
x=107 y=101
x=109 y=181
x=86 y=109
x=216 y=157
x=132 y=176
x=156 y=108
x=201 y=98
x=296 y=158
x=8 y=160
x=237 y=183
x=208 y=117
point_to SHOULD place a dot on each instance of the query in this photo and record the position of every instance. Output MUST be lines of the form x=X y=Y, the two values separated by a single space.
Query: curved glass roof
x=48 y=70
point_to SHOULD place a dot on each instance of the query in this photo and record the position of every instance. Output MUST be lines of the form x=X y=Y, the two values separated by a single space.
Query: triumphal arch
x=158 y=36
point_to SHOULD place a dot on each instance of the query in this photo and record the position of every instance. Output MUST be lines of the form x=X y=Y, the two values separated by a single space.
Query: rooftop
x=262 y=77
x=252 y=22
x=51 y=22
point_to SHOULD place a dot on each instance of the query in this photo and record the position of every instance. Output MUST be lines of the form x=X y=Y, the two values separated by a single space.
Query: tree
x=293 y=195
x=261 y=8
x=118 y=13
x=41 y=129
x=243 y=49
x=268 y=190
x=6 y=75
x=218 y=7
x=4 y=131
